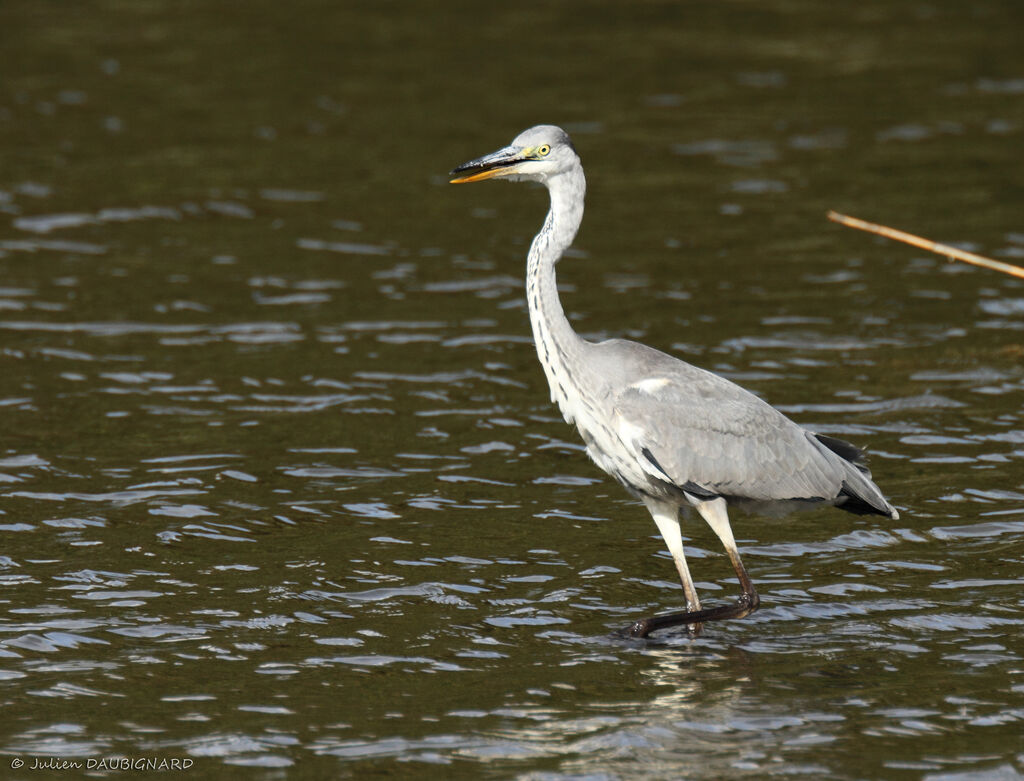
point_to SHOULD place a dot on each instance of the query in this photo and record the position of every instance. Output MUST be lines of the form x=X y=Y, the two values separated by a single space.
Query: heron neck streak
x=558 y=345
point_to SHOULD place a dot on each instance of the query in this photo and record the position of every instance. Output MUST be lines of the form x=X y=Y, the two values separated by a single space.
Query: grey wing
x=704 y=434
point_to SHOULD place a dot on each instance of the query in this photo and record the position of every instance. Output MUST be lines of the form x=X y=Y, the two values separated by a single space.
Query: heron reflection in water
x=672 y=434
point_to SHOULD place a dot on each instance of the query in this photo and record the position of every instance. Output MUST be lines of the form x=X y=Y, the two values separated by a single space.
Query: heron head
x=535 y=155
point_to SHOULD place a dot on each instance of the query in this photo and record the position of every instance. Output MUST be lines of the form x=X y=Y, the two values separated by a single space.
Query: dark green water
x=281 y=492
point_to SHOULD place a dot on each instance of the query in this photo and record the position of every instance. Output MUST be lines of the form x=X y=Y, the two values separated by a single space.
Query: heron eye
x=542 y=151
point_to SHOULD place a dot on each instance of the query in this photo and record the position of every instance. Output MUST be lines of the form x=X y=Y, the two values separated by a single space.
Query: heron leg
x=714 y=512
x=666 y=516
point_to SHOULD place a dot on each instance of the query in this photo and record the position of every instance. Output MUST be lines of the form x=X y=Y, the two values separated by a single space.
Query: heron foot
x=744 y=606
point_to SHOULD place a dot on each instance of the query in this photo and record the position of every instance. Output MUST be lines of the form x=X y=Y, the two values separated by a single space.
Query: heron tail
x=859 y=494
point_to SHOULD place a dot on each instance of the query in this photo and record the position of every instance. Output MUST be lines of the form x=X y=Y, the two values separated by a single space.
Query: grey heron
x=674 y=435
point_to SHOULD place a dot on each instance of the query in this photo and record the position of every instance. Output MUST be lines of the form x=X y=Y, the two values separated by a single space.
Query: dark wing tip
x=844 y=450
x=857 y=504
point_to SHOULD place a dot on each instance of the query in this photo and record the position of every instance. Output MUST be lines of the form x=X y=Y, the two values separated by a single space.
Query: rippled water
x=280 y=485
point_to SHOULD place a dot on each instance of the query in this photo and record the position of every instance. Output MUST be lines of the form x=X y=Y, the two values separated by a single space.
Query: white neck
x=558 y=345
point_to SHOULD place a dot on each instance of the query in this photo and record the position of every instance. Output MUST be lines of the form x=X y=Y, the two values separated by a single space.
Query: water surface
x=281 y=491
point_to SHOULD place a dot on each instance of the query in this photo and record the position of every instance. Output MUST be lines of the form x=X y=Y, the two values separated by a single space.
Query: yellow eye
x=542 y=150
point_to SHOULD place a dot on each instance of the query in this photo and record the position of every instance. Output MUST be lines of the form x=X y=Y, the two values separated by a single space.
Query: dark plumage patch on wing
x=689 y=486
x=844 y=450
x=650 y=457
x=699 y=491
